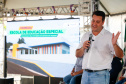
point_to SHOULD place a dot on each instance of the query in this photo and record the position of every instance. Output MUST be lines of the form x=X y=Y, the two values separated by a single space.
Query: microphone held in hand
x=90 y=38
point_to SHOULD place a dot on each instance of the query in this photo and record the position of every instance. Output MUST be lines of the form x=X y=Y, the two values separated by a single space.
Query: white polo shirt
x=101 y=51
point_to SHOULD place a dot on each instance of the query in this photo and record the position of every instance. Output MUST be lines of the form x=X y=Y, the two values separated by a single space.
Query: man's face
x=96 y=23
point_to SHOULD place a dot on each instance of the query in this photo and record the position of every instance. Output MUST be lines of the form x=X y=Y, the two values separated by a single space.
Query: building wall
x=65 y=49
x=53 y=49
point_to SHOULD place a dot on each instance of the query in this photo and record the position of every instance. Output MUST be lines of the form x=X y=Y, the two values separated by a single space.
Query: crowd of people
x=98 y=56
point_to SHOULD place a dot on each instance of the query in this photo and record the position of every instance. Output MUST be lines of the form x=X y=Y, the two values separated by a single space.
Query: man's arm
x=118 y=50
x=121 y=78
x=73 y=70
x=78 y=72
x=80 y=52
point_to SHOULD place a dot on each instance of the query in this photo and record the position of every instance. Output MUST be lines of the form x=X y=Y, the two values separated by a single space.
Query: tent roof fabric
x=112 y=6
x=10 y=4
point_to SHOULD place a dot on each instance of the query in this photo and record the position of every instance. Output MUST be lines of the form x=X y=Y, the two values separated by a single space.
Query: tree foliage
x=21 y=40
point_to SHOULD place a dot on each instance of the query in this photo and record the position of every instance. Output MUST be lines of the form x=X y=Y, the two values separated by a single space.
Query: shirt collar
x=101 y=33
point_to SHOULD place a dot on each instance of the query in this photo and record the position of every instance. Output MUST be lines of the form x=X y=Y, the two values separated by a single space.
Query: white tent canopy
x=111 y=7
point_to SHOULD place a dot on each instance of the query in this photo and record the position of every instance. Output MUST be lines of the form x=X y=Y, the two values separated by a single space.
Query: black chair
x=6 y=80
x=55 y=80
x=41 y=80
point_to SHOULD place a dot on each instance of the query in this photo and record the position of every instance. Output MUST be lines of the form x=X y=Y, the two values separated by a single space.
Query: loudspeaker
x=41 y=80
x=6 y=80
x=56 y=80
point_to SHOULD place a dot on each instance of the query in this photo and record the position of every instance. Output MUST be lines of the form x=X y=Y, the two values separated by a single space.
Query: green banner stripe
x=39 y=35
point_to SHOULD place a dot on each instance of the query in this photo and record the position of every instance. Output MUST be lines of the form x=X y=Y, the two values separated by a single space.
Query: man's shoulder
x=107 y=32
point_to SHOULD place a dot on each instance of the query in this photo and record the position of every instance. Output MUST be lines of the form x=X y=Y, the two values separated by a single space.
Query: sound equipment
x=41 y=80
x=6 y=81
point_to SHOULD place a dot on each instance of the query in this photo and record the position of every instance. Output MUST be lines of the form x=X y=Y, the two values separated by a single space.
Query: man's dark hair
x=99 y=13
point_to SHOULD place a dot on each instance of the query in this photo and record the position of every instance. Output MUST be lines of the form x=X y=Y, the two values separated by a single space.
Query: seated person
x=122 y=79
x=77 y=71
x=116 y=68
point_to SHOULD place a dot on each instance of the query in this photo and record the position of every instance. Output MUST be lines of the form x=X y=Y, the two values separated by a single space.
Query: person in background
x=76 y=71
x=117 y=66
x=122 y=78
x=98 y=47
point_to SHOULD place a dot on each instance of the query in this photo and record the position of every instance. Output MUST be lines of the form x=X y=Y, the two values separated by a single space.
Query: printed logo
x=25 y=27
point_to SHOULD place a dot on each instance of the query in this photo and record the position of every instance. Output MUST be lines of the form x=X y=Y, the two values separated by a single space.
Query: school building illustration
x=52 y=48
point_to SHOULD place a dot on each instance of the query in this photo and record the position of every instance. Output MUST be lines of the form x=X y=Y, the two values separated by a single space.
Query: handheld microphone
x=90 y=38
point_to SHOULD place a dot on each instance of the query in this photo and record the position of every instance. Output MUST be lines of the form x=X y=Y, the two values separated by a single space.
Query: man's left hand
x=115 y=38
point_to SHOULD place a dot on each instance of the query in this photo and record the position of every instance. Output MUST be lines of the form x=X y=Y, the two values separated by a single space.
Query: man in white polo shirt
x=98 y=48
